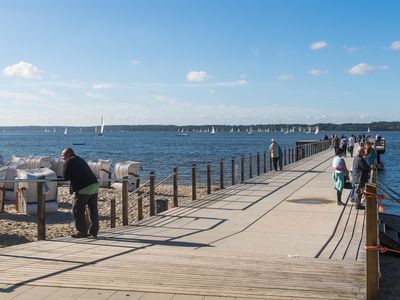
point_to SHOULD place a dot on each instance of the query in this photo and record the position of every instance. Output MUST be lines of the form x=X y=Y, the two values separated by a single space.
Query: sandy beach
x=21 y=228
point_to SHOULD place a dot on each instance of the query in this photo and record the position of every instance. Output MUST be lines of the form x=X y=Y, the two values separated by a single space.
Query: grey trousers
x=79 y=210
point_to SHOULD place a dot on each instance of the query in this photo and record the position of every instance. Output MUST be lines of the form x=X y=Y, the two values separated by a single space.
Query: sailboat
x=66 y=131
x=212 y=130
x=250 y=131
x=316 y=130
x=309 y=130
x=102 y=126
x=369 y=129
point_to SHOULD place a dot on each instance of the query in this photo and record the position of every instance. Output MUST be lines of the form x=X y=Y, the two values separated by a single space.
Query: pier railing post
x=284 y=156
x=41 y=210
x=372 y=241
x=194 y=182
x=265 y=161
x=242 y=168
x=251 y=165
x=140 y=205
x=175 y=187
x=125 y=220
x=293 y=154
x=258 y=164
x=221 y=174
x=233 y=182
x=208 y=178
x=151 y=193
x=112 y=212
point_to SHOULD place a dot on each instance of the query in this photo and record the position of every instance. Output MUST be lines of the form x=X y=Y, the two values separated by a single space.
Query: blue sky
x=199 y=62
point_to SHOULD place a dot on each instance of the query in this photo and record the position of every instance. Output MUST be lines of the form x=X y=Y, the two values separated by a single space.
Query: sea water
x=162 y=151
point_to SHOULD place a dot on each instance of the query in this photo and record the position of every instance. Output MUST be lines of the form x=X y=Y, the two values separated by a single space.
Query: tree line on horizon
x=374 y=126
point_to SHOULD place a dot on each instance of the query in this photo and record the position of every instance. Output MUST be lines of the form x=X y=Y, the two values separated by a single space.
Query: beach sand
x=21 y=228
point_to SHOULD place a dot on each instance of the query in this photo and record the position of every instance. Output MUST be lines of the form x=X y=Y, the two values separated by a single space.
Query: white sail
x=369 y=129
x=212 y=130
x=102 y=126
x=316 y=130
x=250 y=131
x=309 y=130
x=66 y=131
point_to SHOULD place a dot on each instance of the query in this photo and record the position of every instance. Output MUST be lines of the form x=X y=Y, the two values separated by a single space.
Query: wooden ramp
x=257 y=240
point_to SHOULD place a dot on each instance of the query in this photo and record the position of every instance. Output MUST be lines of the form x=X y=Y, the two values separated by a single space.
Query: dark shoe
x=93 y=236
x=340 y=203
x=359 y=206
x=79 y=235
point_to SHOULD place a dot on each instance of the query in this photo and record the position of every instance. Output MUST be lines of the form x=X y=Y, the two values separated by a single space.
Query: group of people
x=361 y=167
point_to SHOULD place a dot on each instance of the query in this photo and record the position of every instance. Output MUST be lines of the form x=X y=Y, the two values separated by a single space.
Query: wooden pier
x=279 y=235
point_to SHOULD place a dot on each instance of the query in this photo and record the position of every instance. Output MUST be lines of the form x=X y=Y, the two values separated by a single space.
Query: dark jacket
x=78 y=172
x=360 y=170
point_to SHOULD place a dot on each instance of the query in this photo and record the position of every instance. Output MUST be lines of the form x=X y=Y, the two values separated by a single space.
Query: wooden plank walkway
x=257 y=240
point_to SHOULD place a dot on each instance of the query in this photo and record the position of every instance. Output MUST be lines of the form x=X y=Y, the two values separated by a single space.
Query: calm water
x=161 y=151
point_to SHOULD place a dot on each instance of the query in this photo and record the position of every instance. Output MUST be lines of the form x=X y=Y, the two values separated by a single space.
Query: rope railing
x=205 y=175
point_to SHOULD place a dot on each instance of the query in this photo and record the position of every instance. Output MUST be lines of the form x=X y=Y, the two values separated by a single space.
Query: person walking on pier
x=85 y=186
x=361 y=170
x=340 y=171
x=280 y=158
x=335 y=143
x=274 y=153
x=350 y=145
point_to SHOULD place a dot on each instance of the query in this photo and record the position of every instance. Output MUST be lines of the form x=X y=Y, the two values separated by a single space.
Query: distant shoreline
x=374 y=126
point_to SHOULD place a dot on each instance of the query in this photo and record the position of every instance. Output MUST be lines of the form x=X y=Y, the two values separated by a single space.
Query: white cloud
x=196 y=76
x=134 y=62
x=12 y=96
x=318 y=45
x=22 y=69
x=317 y=72
x=94 y=96
x=101 y=86
x=395 y=45
x=363 y=68
x=285 y=77
x=164 y=99
x=243 y=82
x=352 y=50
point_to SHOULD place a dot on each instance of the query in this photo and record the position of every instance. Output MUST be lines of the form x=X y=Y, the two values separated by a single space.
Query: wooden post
x=152 y=192
x=293 y=154
x=221 y=174
x=137 y=183
x=175 y=187
x=140 y=205
x=233 y=171
x=241 y=168
x=251 y=165
x=3 y=197
x=41 y=211
x=112 y=210
x=194 y=182
x=371 y=240
x=258 y=164
x=265 y=161
x=284 y=156
x=208 y=178
x=125 y=220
